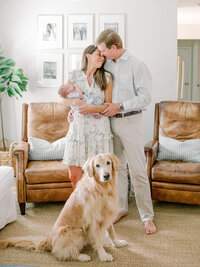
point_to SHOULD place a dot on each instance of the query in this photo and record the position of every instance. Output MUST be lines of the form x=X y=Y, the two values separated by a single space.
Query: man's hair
x=109 y=38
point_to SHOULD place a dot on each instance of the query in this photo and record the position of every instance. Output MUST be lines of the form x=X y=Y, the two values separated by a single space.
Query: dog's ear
x=115 y=162
x=88 y=166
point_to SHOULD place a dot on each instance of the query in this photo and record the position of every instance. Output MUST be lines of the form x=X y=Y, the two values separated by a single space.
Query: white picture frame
x=115 y=22
x=50 y=31
x=49 y=70
x=74 y=61
x=80 y=30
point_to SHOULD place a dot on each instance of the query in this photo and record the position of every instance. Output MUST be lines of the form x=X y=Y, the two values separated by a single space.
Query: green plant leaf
x=18 y=92
x=16 y=78
x=11 y=91
x=12 y=81
x=2 y=79
x=7 y=62
x=21 y=71
x=22 y=77
x=23 y=89
x=2 y=87
x=10 y=62
x=15 y=72
x=23 y=85
x=5 y=71
x=14 y=85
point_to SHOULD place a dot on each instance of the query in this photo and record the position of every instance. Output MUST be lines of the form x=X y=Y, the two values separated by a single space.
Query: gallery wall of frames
x=61 y=40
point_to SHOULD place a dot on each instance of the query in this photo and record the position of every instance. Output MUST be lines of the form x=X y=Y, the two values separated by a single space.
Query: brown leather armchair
x=174 y=181
x=42 y=181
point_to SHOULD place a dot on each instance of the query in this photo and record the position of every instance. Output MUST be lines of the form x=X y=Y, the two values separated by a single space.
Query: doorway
x=189 y=53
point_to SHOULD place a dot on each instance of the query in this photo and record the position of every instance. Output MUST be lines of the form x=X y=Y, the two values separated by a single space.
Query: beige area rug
x=177 y=242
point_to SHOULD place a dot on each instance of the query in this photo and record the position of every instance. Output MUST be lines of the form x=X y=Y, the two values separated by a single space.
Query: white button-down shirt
x=132 y=82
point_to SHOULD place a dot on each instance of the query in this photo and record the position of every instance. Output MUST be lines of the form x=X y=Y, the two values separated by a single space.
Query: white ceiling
x=188 y=12
x=188 y=3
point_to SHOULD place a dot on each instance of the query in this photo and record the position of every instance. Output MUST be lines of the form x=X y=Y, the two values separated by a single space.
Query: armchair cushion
x=176 y=172
x=172 y=149
x=40 y=172
x=41 y=149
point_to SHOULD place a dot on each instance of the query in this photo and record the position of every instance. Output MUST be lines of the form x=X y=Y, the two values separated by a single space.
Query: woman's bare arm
x=86 y=108
x=73 y=102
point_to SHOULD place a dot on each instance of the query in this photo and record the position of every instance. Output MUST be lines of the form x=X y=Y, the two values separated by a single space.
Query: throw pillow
x=43 y=150
x=172 y=149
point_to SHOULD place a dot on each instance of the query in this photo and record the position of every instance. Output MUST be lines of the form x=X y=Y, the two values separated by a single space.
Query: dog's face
x=102 y=166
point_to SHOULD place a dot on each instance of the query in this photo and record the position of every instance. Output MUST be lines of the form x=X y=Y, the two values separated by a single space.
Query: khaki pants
x=129 y=146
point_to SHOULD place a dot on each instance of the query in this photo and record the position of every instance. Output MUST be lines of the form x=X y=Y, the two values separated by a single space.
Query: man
x=131 y=95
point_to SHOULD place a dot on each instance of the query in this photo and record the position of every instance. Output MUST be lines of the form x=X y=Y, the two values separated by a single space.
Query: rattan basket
x=7 y=144
x=7 y=158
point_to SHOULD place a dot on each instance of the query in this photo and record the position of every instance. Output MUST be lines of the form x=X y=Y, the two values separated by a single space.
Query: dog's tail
x=25 y=244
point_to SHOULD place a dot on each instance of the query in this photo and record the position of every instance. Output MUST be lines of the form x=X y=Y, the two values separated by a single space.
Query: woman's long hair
x=99 y=75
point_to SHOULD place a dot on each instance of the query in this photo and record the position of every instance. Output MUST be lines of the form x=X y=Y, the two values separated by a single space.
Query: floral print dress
x=87 y=136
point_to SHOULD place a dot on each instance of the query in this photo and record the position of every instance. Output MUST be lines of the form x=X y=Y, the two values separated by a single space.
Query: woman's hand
x=111 y=110
x=85 y=108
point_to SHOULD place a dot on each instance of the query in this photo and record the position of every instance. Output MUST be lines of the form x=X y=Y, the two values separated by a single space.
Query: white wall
x=188 y=31
x=150 y=35
x=188 y=18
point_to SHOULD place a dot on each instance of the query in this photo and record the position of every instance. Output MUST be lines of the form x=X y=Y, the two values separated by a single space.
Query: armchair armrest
x=152 y=148
x=21 y=152
x=151 y=152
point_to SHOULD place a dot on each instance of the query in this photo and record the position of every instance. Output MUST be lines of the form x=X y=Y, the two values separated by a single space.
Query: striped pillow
x=172 y=149
x=43 y=150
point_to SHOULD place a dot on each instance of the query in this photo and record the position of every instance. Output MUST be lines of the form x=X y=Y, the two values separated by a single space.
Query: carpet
x=176 y=244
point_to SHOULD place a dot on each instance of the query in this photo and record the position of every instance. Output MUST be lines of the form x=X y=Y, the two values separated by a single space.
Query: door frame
x=189 y=51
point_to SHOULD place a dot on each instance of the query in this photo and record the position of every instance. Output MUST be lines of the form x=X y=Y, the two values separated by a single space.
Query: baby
x=73 y=91
x=70 y=91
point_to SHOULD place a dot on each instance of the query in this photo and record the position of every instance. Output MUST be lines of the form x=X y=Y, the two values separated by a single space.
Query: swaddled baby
x=73 y=91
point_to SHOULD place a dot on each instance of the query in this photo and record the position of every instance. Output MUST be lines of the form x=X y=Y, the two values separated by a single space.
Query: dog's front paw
x=108 y=243
x=120 y=243
x=106 y=257
x=83 y=257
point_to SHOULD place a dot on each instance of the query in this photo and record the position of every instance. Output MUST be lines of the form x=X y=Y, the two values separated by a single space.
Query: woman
x=87 y=135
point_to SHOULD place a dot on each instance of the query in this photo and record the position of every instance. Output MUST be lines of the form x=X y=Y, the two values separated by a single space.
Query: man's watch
x=121 y=107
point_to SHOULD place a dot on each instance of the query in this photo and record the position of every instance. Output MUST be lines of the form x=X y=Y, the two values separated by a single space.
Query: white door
x=186 y=54
x=196 y=71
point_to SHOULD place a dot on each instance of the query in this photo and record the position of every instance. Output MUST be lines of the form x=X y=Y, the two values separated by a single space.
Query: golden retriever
x=86 y=217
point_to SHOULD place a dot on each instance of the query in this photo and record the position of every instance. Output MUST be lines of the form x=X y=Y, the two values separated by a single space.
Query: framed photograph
x=80 y=31
x=50 y=31
x=74 y=61
x=115 y=22
x=50 y=70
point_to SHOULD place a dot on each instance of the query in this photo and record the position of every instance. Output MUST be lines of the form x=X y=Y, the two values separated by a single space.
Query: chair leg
x=22 y=207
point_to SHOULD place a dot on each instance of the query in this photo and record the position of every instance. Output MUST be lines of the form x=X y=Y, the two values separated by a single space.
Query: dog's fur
x=86 y=217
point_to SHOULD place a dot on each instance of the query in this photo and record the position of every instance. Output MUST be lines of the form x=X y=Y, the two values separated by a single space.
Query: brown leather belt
x=122 y=115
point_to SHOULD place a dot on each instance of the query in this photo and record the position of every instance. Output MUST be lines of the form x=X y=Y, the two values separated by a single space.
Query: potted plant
x=12 y=83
